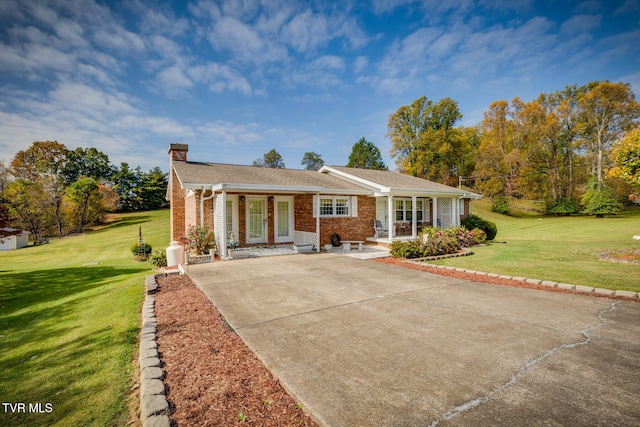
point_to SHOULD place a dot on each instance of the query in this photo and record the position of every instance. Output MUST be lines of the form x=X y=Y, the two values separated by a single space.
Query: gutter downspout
x=202 y=200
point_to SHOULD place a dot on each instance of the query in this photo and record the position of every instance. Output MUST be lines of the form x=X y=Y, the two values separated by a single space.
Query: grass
x=561 y=249
x=69 y=320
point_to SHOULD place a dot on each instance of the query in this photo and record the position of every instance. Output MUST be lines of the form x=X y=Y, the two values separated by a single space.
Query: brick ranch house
x=265 y=206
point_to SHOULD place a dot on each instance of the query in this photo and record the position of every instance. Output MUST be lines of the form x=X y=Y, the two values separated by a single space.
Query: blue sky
x=234 y=79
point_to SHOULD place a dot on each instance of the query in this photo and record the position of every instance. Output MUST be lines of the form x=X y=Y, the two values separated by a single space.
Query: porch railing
x=305 y=238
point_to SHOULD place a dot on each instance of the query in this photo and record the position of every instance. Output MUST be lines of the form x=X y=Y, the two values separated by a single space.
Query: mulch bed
x=212 y=377
x=488 y=279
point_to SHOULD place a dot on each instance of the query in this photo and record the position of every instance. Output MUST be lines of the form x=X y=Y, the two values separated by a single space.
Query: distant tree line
x=364 y=155
x=50 y=190
x=576 y=148
x=559 y=147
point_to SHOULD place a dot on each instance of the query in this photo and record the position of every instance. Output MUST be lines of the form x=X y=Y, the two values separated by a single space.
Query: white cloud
x=321 y=72
x=221 y=78
x=81 y=116
x=307 y=31
x=580 y=24
x=173 y=81
x=244 y=42
x=628 y=7
x=360 y=64
x=221 y=132
x=385 y=6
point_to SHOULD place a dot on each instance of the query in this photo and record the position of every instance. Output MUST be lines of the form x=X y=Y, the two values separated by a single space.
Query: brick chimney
x=177 y=153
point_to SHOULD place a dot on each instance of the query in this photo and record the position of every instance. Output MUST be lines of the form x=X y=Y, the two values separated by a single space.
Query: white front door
x=382 y=213
x=283 y=210
x=256 y=219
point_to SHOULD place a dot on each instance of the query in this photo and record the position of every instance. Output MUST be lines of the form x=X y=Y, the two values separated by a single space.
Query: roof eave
x=296 y=189
x=374 y=186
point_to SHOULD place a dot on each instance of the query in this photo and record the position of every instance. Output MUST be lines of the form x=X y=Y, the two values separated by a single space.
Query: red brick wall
x=349 y=228
x=176 y=207
x=466 y=208
x=177 y=152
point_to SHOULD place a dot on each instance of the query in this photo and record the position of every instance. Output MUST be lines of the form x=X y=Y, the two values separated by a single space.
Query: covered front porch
x=402 y=217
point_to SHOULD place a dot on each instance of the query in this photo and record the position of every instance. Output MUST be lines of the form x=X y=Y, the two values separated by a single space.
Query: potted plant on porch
x=234 y=251
x=199 y=243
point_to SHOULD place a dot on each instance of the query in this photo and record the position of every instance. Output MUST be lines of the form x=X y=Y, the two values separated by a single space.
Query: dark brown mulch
x=488 y=279
x=212 y=378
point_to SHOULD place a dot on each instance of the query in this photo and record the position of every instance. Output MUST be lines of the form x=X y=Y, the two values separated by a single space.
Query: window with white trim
x=404 y=210
x=334 y=206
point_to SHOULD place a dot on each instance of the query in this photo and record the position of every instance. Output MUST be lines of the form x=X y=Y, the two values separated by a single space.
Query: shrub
x=137 y=250
x=561 y=206
x=158 y=258
x=599 y=200
x=478 y=236
x=501 y=205
x=473 y=221
x=404 y=249
x=434 y=241
x=198 y=238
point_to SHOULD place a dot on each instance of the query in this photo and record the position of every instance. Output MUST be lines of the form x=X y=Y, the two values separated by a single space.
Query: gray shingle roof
x=396 y=180
x=193 y=174
x=197 y=174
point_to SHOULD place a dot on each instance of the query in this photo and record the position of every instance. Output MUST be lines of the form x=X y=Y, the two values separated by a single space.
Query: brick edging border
x=542 y=283
x=154 y=407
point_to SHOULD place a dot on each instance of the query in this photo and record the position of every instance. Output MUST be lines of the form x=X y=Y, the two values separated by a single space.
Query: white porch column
x=392 y=217
x=317 y=214
x=414 y=221
x=435 y=212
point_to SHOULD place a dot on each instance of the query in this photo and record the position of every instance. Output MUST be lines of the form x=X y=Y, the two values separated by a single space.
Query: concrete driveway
x=360 y=343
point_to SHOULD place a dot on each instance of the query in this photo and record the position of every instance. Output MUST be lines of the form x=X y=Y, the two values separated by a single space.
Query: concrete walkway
x=360 y=343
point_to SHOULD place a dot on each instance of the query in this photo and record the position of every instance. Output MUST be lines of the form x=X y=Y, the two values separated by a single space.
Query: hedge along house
x=251 y=205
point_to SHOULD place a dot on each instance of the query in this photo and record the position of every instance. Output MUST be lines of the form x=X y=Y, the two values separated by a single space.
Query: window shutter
x=315 y=205
x=354 y=206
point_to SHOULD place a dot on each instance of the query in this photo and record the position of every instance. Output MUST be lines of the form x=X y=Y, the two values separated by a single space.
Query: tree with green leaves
x=503 y=152
x=426 y=142
x=86 y=162
x=153 y=191
x=625 y=154
x=27 y=201
x=599 y=200
x=80 y=193
x=126 y=182
x=365 y=155
x=312 y=161
x=43 y=162
x=272 y=159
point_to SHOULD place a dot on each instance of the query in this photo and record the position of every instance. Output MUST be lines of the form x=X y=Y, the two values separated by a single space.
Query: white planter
x=302 y=248
x=239 y=253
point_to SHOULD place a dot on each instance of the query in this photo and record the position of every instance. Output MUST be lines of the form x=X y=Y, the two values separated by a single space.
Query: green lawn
x=69 y=319
x=562 y=249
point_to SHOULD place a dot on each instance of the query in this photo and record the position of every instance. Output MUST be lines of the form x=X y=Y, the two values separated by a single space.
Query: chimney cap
x=178 y=147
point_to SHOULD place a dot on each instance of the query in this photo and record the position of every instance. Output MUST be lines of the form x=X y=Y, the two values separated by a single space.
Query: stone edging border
x=544 y=283
x=154 y=407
